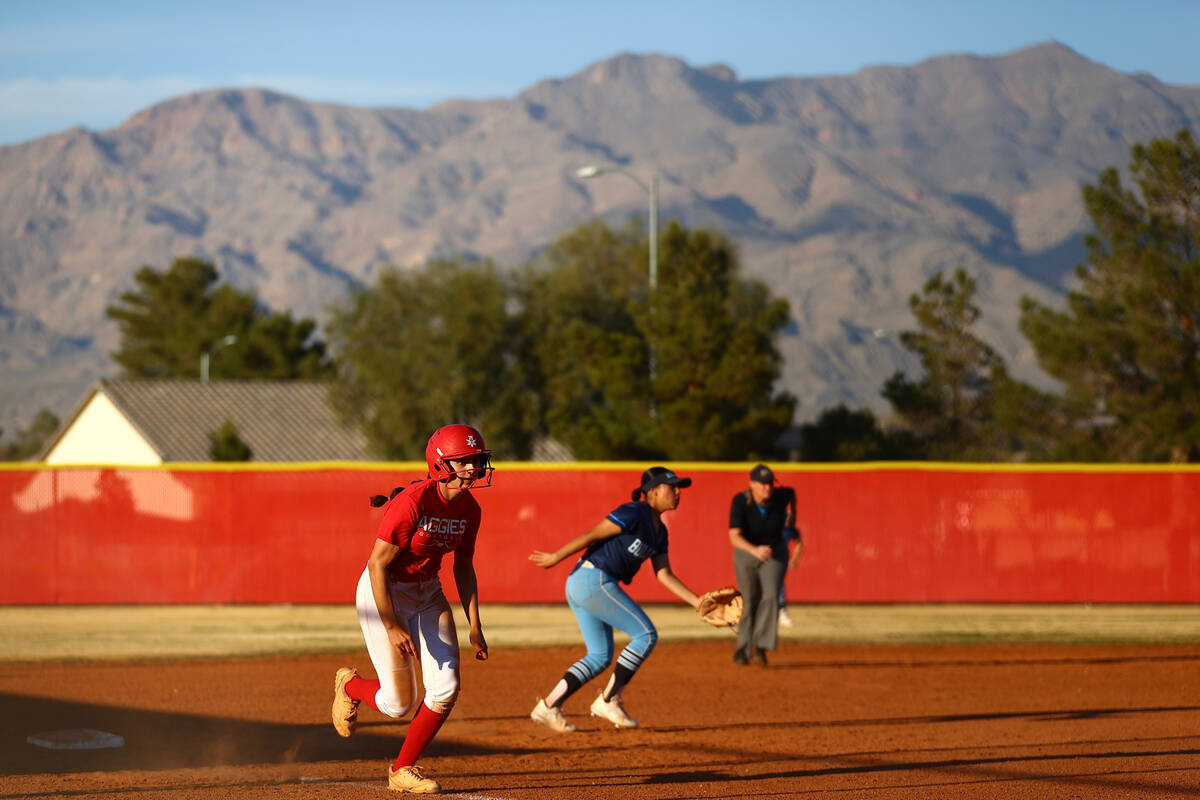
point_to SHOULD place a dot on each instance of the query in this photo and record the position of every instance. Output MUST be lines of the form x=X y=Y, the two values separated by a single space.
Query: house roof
x=278 y=420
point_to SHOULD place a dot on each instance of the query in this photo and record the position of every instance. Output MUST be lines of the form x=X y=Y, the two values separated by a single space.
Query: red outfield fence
x=873 y=532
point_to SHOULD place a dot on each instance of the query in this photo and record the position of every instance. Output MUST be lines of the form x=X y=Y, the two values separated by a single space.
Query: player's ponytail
x=637 y=494
x=378 y=499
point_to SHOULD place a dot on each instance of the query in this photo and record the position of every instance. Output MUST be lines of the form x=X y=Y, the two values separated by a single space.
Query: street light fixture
x=651 y=190
x=207 y=354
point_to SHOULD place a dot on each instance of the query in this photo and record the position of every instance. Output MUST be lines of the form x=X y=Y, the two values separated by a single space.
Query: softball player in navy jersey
x=613 y=551
x=404 y=614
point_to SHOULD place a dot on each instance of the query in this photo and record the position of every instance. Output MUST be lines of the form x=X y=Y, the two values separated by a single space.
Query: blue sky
x=96 y=63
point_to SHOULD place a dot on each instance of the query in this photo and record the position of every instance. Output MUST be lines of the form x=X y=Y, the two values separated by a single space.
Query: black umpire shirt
x=761 y=524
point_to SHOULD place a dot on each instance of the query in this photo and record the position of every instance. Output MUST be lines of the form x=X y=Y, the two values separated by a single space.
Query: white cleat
x=785 y=619
x=612 y=711
x=550 y=716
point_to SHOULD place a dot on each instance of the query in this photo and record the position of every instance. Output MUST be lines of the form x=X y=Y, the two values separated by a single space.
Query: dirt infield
x=838 y=721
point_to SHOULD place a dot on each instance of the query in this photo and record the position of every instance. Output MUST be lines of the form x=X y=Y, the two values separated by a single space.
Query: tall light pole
x=651 y=190
x=207 y=354
x=593 y=171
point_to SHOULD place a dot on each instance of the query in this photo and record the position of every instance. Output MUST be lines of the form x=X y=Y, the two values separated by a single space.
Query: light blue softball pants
x=600 y=605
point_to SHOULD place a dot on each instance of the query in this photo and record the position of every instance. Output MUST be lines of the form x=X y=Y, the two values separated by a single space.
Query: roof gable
x=278 y=420
x=94 y=433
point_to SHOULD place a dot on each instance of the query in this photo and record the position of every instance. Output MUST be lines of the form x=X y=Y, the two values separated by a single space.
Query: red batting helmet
x=458 y=443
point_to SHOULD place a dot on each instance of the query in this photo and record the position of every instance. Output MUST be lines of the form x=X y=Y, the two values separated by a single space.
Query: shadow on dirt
x=156 y=740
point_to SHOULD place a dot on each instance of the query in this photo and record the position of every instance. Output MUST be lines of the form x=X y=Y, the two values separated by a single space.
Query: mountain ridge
x=843 y=192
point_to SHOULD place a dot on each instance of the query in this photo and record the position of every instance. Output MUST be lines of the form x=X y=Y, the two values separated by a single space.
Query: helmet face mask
x=463 y=445
x=467 y=468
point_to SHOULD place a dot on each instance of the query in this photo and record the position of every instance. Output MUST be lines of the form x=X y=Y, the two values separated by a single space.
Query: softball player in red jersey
x=404 y=614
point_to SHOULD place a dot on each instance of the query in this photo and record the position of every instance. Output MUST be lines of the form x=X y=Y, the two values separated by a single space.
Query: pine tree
x=948 y=410
x=716 y=335
x=842 y=434
x=172 y=317
x=685 y=372
x=1126 y=347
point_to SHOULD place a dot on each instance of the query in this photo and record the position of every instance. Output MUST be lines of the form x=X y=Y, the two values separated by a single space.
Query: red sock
x=421 y=731
x=363 y=690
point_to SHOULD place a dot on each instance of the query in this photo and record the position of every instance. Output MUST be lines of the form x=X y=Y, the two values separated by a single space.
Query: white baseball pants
x=423 y=607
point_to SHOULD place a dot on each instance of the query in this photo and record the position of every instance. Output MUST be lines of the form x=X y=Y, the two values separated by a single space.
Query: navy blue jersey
x=622 y=555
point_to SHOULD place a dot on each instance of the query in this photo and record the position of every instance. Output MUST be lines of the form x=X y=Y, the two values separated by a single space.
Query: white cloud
x=85 y=98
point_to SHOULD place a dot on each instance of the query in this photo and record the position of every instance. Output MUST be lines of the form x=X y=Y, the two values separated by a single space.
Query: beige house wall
x=102 y=435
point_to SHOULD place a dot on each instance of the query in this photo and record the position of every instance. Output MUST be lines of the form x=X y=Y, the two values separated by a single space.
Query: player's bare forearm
x=677 y=587
x=468 y=591
x=545 y=560
x=662 y=571
x=603 y=530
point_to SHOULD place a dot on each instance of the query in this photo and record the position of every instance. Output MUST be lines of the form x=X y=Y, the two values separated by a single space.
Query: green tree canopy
x=843 y=434
x=949 y=408
x=428 y=347
x=581 y=302
x=1126 y=345
x=563 y=348
x=28 y=442
x=594 y=328
x=171 y=318
x=718 y=361
x=224 y=444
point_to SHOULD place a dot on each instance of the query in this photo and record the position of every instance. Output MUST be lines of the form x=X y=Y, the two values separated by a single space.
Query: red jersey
x=425 y=527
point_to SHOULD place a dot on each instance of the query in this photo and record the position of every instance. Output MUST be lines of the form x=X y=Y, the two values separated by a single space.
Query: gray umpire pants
x=758 y=581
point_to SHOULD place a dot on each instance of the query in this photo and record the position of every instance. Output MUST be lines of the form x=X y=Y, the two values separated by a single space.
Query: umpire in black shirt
x=757 y=518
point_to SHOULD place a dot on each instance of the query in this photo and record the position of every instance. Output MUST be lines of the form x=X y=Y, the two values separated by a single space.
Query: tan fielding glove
x=721 y=607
